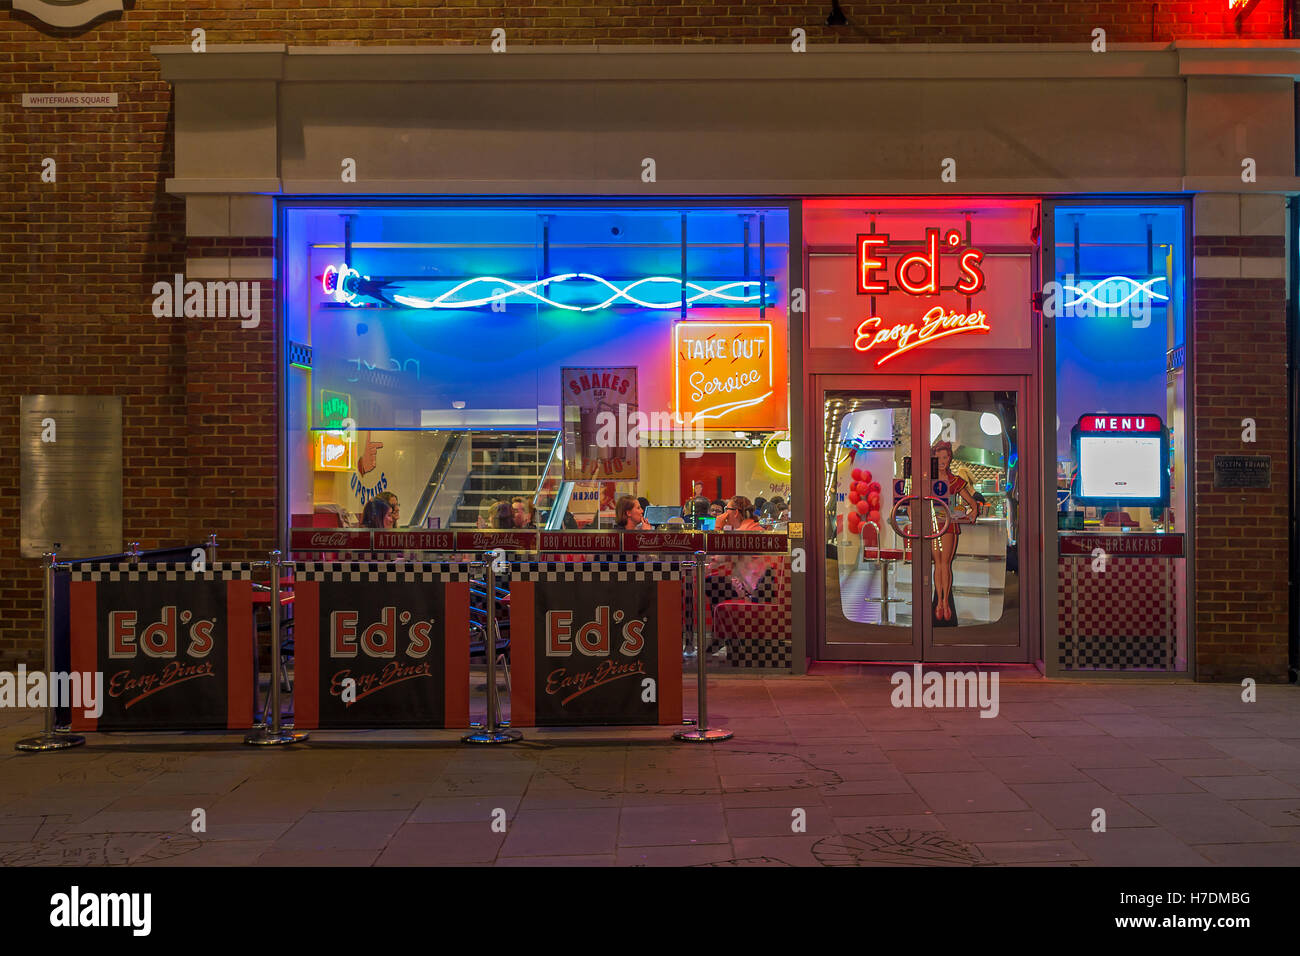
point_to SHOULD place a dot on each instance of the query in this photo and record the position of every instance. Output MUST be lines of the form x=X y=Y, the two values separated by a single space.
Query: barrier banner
x=381 y=645
x=175 y=646
x=592 y=644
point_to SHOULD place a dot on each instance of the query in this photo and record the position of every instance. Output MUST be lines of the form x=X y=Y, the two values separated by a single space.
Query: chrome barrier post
x=49 y=739
x=491 y=732
x=272 y=733
x=701 y=732
x=212 y=549
x=133 y=550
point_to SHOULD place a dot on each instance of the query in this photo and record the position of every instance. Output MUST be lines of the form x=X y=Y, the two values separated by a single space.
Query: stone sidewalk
x=1186 y=774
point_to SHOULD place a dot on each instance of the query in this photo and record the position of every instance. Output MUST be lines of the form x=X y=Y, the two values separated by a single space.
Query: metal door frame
x=922 y=646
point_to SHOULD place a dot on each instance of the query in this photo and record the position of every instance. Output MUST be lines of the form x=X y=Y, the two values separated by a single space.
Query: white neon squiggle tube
x=1090 y=294
x=445 y=300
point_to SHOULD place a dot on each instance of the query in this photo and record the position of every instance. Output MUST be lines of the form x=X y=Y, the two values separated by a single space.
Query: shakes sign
x=596 y=646
x=381 y=647
x=175 y=647
x=593 y=400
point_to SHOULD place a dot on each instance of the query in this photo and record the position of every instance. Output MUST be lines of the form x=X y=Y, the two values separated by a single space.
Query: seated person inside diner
x=522 y=514
x=392 y=503
x=738 y=516
x=377 y=513
x=630 y=516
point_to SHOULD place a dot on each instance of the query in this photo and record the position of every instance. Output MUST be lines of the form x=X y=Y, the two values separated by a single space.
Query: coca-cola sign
x=331 y=539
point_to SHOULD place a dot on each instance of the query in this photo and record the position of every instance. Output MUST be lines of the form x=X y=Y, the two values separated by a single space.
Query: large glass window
x=531 y=365
x=1118 y=302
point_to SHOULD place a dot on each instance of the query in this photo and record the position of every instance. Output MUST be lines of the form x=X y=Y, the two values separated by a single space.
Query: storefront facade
x=1074 y=317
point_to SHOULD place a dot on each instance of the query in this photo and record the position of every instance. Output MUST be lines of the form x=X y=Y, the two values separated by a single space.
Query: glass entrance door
x=925 y=519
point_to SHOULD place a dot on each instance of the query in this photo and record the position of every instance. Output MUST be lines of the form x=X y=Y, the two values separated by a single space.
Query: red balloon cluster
x=864 y=497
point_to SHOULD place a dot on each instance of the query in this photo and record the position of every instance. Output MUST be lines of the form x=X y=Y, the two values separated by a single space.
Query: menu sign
x=387 y=653
x=175 y=654
x=607 y=652
x=1122 y=545
x=723 y=375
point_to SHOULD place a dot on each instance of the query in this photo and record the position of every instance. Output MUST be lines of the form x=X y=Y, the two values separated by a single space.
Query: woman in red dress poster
x=944 y=547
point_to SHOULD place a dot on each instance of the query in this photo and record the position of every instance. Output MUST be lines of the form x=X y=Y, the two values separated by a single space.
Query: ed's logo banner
x=392 y=652
x=176 y=654
x=607 y=650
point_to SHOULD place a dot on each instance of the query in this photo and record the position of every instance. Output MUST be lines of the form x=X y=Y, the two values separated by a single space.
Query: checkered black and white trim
x=770 y=655
x=1117 y=653
x=397 y=572
x=597 y=571
x=220 y=571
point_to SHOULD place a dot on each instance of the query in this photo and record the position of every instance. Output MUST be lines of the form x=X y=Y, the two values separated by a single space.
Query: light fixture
x=990 y=424
x=458 y=405
x=836 y=18
x=739 y=434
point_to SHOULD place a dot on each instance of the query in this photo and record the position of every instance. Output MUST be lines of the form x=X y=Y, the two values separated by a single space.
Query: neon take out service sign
x=946 y=263
x=723 y=374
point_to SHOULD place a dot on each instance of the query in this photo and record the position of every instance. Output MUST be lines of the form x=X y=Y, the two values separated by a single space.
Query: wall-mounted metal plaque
x=1243 y=471
x=71 y=487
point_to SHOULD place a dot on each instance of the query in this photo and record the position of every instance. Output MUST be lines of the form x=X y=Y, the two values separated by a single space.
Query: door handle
x=947 y=518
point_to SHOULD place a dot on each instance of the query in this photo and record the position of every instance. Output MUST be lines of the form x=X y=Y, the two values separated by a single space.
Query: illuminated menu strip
x=366 y=539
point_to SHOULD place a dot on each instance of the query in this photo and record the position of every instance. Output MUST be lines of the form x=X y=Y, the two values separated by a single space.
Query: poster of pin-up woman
x=944 y=547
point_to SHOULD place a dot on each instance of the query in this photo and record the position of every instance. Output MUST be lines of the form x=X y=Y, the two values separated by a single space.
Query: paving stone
x=1199 y=818
x=1135 y=846
x=964 y=792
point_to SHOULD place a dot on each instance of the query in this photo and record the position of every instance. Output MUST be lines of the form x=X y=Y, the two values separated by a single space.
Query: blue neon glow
x=1117 y=286
x=505 y=289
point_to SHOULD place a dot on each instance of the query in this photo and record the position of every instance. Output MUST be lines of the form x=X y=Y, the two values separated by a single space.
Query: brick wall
x=80 y=255
x=1241 y=580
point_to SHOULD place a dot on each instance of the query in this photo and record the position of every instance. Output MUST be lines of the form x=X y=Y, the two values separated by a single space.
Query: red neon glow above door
x=936 y=324
x=919 y=273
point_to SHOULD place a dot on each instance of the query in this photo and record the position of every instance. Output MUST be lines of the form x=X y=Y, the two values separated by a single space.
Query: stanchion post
x=133 y=549
x=271 y=733
x=491 y=732
x=212 y=549
x=701 y=732
x=48 y=739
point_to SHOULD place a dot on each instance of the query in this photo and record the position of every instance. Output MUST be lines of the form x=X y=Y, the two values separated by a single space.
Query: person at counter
x=392 y=503
x=945 y=546
x=695 y=510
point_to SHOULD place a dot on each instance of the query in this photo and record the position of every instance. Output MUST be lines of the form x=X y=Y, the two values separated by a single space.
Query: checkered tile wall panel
x=1117 y=619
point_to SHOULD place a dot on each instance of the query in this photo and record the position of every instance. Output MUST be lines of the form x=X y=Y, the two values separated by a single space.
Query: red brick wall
x=80 y=256
x=1241 y=564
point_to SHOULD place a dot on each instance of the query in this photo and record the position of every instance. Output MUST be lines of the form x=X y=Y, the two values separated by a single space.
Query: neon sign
x=345 y=284
x=723 y=370
x=918 y=273
x=333 y=452
x=938 y=323
x=1113 y=292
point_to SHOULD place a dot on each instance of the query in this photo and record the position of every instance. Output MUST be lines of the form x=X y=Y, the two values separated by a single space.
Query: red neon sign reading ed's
x=919 y=273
